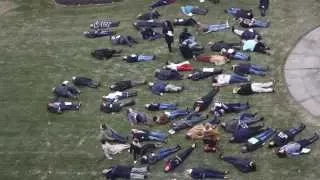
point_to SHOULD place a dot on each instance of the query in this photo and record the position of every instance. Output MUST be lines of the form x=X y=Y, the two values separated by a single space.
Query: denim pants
x=217 y=27
x=235 y=107
x=159 y=4
x=117 y=136
x=257 y=70
x=264 y=136
x=241 y=56
x=164 y=152
x=235 y=78
x=261 y=23
x=296 y=130
x=178 y=113
x=159 y=136
x=167 y=106
x=307 y=142
x=233 y=11
x=142 y=58
x=210 y=173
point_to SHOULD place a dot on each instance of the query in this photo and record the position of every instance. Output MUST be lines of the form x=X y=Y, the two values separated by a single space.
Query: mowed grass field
x=42 y=44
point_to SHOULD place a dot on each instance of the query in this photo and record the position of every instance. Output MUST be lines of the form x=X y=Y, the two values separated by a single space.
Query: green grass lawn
x=42 y=44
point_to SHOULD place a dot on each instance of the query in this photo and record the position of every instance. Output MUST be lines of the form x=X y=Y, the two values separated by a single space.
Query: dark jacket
x=168 y=74
x=121 y=85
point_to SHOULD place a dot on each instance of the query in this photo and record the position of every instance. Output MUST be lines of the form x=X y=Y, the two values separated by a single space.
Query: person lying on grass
x=118 y=95
x=115 y=106
x=168 y=116
x=138 y=58
x=249 y=69
x=297 y=148
x=202 y=103
x=155 y=157
x=61 y=106
x=254 y=87
x=82 y=81
x=137 y=118
x=161 y=106
x=168 y=74
x=66 y=90
x=125 y=172
x=220 y=108
x=207 y=173
x=203 y=73
x=160 y=87
x=208 y=28
x=123 y=40
x=105 y=53
x=226 y=79
x=126 y=84
x=245 y=119
x=243 y=165
x=176 y=161
x=110 y=135
x=112 y=149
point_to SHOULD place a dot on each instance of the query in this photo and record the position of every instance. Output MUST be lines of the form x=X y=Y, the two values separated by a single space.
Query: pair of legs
x=173 y=88
x=160 y=3
x=257 y=70
x=211 y=173
x=115 y=136
x=167 y=106
x=157 y=136
x=114 y=96
x=263 y=6
x=184 y=22
x=165 y=152
x=64 y=106
x=261 y=48
x=218 y=27
x=235 y=78
x=188 y=121
x=307 y=142
x=241 y=134
x=138 y=173
x=204 y=102
x=236 y=107
x=177 y=113
x=262 y=87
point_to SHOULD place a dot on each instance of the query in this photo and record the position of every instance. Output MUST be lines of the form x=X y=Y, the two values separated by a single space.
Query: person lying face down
x=112 y=149
x=160 y=87
x=167 y=74
x=284 y=137
x=104 y=24
x=245 y=120
x=123 y=40
x=61 y=106
x=66 y=90
x=220 y=108
x=153 y=14
x=226 y=79
x=161 y=106
x=82 y=81
x=146 y=135
x=110 y=135
x=126 y=172
x=98 y=33
x=176 y=161
x=204 y=102
x=138 y=58
x=240 y=13
x=254 y=87
x=184 y=22
x=206 y=173
x=155 y=157
x=126 y=84
x=297 y=148
x=258 y=141
x=203 y=73
x=243 y=165
x=105 y=53
x=118 y=95
x=115 y=106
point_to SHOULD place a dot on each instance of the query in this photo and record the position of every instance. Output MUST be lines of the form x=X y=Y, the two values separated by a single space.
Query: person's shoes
x=232 y=28
x=221 y=156
x=194 y=145
x=226 y=11
x=178 y=147
x=171 y=131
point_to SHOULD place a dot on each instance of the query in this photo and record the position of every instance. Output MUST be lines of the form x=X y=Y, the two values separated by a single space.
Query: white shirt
x=223 y=79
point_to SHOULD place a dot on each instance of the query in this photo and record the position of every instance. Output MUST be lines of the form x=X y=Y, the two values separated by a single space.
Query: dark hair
x=103 y=141
x=103 y=126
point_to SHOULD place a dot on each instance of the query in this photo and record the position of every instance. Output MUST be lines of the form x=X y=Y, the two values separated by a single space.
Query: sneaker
x=171 y=131
x=232 y=28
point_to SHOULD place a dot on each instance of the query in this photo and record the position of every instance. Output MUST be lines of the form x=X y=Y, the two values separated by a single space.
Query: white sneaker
x=171 y=131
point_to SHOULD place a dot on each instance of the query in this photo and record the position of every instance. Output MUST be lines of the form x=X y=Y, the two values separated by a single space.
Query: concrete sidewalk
x=302 y=72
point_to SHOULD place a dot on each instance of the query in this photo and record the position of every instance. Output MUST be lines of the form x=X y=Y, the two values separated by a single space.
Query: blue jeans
x=118 y=137
x=142 y=58
x=236 y=107
x=264 y=136
x=167 y=106
x=233 y=11
x=307 y=142
x=178 y=113
x=210 y=173
x=159 y=4
x=235 y=78
x=296 y=130
x=164 y=152
x=217 y=27
x=261 y=23
x=157 y=136
x=241 y=56
x=257 y=70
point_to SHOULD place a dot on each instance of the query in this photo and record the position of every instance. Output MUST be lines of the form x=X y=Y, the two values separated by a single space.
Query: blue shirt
x=158 y=87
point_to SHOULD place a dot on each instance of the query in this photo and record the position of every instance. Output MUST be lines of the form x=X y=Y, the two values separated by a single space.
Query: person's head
x=281 y=153
x=271 y=144
x=150 y=84
x=134 y=130
x=65 y=83
x=103 y=126
x=207 y=126
x=214 y=80
x=253 y=165
x=91 y=26
x=235 y=90
x=244 y=149
x=188 y=171
x=125 y=57
x=155 y=118
x=144 y=159
x=129 y=110
x=103 y=141
x=185 y=30
x=230 y=51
